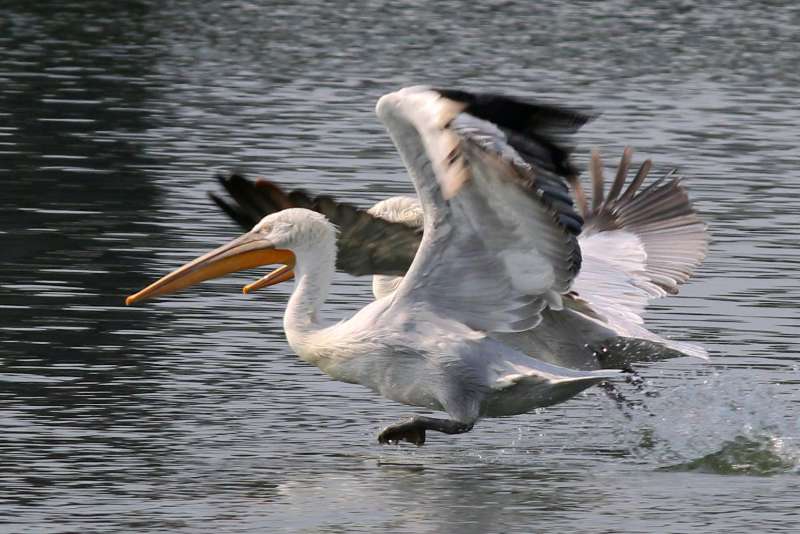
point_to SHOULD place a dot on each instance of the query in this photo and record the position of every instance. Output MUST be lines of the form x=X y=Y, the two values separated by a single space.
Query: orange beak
x=245 y=252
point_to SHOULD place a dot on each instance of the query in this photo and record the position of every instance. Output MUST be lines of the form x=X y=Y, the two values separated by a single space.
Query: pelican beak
x=281 y=274
x=248 y=251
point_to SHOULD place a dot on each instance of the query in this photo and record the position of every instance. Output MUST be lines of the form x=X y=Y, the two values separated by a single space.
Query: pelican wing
x=638 y=244
x=367 y=243
x=499 y=241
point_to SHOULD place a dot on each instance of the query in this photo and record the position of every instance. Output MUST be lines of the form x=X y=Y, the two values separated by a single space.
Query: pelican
x=497 y=261
x=636 y=245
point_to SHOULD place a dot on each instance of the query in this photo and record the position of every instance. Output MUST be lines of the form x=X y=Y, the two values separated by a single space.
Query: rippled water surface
x=191 y=414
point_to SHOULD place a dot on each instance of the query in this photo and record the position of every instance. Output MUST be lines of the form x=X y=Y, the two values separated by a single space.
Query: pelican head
x=276 y=240
x=402 y=209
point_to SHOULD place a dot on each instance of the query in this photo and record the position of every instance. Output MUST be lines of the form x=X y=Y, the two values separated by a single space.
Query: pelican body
x=497 y=258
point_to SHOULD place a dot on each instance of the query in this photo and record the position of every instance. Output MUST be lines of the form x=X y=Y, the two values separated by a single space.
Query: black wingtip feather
x=238 y=216
x=621 y=176
x=516 y=114
x=367 y=244
x=644 y=170
x=662 y=217
x=301 y=199
x=549 y=127
x=598 y=181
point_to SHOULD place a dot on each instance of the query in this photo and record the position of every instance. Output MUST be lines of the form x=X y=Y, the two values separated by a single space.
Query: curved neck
x=313 y=271
x=383 y=285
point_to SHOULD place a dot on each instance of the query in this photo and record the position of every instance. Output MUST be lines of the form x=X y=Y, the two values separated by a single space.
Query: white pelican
x=403 y=210
x=636 y=245
x=498 y=254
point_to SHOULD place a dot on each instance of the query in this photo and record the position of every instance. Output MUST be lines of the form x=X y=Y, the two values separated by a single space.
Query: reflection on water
x=190 y=414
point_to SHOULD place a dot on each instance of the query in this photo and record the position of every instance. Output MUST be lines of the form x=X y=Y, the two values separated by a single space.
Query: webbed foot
x=406 y=430
x=412 y=429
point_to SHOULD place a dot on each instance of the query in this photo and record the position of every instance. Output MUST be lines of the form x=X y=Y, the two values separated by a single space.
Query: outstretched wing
x=639 y=244
x=367 y=244
x=500 y=229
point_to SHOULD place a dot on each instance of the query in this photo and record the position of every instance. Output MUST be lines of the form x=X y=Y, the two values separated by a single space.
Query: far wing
x=500 y=230
x=367 y=244
x=638 y=244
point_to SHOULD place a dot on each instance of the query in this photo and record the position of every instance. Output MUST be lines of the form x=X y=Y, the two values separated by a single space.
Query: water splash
x=759 y=456
x=721 y=423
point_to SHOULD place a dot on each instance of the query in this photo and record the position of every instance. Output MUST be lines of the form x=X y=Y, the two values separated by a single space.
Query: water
x=190 y=414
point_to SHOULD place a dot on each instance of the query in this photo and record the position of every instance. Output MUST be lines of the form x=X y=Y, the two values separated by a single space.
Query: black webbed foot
x=412 y=429
x=406 y=430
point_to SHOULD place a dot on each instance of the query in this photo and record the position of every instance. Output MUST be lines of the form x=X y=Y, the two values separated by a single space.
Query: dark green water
x=190 y=414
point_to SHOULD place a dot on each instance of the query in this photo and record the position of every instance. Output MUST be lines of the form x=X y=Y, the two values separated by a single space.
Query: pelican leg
x=636 y=380
x=623 y=403
x=613 y=393
x=412 y=429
